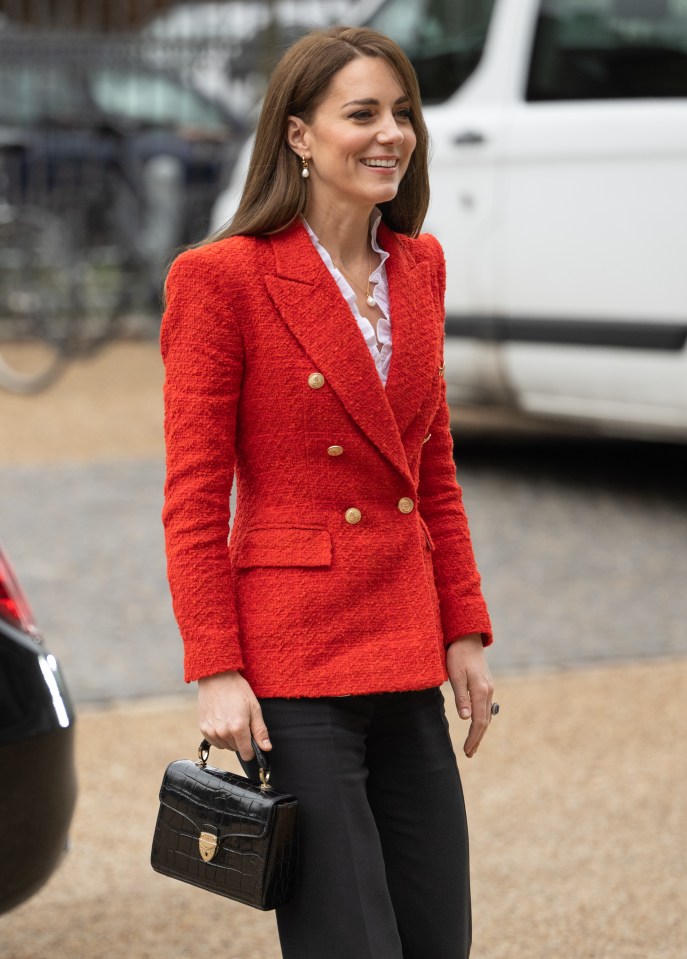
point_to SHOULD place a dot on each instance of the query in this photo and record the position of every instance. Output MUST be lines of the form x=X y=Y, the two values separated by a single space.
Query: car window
x=38 y=95
x=443 y=38
x=609 y=50
x=153 y=99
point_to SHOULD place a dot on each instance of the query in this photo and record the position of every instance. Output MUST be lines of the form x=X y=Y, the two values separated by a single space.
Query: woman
x=303 y=350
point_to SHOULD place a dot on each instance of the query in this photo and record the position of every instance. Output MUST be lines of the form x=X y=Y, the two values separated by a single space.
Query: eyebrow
x=371 y=102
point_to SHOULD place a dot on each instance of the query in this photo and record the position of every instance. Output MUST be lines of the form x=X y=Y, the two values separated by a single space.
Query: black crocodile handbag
x=227 y=834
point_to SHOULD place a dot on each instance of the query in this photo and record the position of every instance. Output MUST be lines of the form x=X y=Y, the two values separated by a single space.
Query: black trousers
x=383 y=836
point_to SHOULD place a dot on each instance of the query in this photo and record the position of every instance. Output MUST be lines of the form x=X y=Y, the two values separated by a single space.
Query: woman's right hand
x=228 y=713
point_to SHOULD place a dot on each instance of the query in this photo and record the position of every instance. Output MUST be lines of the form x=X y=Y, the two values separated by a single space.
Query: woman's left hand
x=472 y=685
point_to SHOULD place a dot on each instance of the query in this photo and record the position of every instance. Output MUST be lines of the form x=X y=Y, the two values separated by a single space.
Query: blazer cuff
x=474 y=619
x=487 y=638
x=202 y=660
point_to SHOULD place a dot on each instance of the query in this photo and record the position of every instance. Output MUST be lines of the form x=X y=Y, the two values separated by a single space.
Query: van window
x=444 y=39
x=609 y=50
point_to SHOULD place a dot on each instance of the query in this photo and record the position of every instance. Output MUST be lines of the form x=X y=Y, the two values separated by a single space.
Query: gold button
x=335 y=450
x=406 y=505
x=315 y=381
x=353 y=515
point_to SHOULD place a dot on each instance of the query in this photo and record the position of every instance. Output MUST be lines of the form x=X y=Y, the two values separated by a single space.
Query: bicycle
x=69 y=278
x=37 y=297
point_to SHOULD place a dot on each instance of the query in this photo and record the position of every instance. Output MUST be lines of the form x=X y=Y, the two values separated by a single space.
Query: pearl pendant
x=371 y=300
x=305 y=173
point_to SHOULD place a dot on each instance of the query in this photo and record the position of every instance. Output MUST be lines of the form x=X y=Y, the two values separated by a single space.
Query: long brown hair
x=274 y=192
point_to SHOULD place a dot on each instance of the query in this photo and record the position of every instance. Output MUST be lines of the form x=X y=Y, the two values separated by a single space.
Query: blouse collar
x=382 y=357
x=375 y=220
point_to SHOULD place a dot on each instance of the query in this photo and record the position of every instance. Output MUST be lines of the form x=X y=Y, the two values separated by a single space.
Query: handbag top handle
x=204 y=755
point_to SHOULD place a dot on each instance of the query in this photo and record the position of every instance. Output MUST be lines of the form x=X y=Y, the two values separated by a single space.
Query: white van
x=559 y=193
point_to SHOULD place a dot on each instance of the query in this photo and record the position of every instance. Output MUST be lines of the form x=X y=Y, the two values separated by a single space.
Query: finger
x=474 y=738
x=258 y=727
x=478 y=728
x=481 y=693
x=216 y=738
x=462 y=695
x=243 y=744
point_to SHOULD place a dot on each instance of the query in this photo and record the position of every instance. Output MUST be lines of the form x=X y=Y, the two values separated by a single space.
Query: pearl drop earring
x=305 y=172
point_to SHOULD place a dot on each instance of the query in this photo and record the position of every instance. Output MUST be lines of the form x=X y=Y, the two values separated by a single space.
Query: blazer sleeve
x=202 y=350
x=458 y=583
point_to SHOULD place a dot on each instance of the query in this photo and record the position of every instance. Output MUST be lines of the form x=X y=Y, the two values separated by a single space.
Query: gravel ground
x=577 y=799
x=107 y=407
x=577 y=807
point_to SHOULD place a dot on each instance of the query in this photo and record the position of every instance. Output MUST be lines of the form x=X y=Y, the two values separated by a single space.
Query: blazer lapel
x=416 y=335
x=310 y=303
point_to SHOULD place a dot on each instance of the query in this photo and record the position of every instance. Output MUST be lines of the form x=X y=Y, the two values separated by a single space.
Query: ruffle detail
x=381 y=357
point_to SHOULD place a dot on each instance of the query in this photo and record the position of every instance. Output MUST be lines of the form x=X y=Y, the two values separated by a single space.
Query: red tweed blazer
x=349 y=566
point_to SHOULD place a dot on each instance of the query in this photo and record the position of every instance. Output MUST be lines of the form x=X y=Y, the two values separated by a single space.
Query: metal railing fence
x=119 y=126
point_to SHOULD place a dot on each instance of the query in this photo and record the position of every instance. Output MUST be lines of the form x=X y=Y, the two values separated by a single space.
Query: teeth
x=386 y=163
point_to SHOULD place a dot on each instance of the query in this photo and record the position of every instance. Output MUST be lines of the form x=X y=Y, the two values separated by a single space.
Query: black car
x=36 y=750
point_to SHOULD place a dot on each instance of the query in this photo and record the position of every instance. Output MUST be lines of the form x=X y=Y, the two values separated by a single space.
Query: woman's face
x=360 y=138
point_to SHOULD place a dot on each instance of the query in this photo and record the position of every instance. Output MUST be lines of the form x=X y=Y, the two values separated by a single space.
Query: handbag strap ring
x=263 y=765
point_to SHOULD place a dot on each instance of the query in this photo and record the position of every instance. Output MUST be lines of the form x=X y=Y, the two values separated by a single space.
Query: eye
x=361 y=115
x=404 y=114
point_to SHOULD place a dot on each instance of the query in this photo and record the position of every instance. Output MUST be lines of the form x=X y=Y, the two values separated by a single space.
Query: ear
x=297 y=135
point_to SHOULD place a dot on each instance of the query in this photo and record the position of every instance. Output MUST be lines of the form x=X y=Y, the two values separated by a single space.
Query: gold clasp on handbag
x=207 y=844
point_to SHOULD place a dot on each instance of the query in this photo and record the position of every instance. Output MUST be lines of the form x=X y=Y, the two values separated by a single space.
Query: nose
x=390 y=132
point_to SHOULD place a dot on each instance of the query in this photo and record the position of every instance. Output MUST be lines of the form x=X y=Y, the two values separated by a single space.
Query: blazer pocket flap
x=284 y=546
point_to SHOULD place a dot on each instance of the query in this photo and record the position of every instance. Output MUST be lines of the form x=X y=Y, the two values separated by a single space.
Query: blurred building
x=82 y=14
x=120 y=122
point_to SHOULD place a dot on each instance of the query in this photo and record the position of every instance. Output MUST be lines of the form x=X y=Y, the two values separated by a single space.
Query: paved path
x=582 y=547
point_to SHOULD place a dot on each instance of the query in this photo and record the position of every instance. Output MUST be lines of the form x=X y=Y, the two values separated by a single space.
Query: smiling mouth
x=387 y=164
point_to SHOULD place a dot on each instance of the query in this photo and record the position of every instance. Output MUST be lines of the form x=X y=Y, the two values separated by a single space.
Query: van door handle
x=469 y=138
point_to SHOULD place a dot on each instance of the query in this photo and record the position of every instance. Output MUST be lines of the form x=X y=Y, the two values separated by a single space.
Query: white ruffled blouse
x=381 y=354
